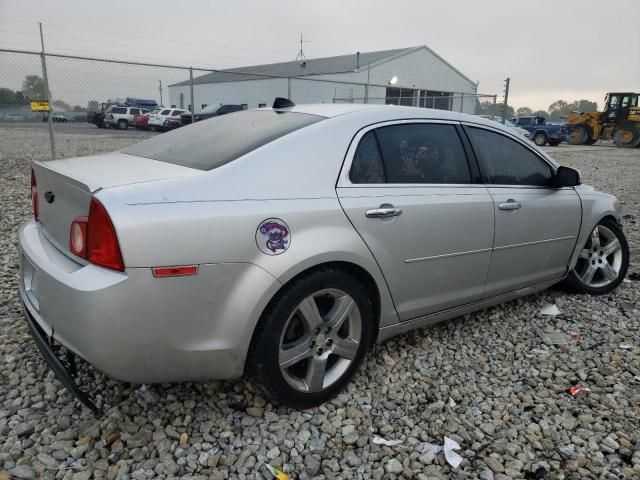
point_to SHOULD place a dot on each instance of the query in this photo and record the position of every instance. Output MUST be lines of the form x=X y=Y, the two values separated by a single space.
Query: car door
x=536 y=225
x=409 y=191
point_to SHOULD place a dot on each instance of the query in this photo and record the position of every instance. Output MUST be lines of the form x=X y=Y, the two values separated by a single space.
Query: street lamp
x=393 y=80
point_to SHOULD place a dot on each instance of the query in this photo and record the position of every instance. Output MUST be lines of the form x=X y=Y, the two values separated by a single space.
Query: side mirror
x=566 y=177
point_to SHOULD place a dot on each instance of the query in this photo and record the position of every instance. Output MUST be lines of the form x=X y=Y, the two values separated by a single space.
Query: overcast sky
x=550 y=49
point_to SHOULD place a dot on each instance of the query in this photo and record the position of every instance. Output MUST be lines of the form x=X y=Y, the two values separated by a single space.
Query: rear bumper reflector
x=176 y=271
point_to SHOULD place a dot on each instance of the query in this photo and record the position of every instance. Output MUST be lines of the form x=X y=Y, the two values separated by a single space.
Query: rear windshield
x=211 y=143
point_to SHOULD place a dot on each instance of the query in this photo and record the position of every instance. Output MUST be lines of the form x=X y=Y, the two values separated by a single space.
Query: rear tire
x=312 y=338
x=540 y=139
x=603 y=261
x=627 y=137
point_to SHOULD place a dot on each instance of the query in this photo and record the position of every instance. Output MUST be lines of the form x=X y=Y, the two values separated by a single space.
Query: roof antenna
x=301 y=55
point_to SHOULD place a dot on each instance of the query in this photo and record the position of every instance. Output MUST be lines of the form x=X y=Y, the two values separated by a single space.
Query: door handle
x=510 y=204
x=384 y=211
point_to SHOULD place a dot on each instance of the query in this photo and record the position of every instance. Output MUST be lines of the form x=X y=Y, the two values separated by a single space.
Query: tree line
x=33 y=89
x=556 y=112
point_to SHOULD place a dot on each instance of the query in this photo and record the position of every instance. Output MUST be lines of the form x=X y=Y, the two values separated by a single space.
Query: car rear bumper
x=138 y=328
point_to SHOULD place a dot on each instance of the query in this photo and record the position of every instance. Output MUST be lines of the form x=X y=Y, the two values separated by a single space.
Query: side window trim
x=345 y=181
x=467 y=125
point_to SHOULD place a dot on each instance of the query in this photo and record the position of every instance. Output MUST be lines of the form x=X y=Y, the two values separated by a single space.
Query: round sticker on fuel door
x=273 y=236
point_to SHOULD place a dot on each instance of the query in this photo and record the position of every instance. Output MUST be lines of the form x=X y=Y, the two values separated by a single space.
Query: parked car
x=156 y=120
x=55 y=117
x=210 y=111
x=12 y=117
x=542 y=132
x=172 y=122
x=141 y=122
x=281 y=243
x=121 y=117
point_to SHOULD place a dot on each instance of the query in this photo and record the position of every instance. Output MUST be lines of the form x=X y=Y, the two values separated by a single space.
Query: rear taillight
x=94 y=238
x=34 y=195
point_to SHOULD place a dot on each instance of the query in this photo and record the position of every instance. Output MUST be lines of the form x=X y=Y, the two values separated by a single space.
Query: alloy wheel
x=600 y=260
x=320 y=340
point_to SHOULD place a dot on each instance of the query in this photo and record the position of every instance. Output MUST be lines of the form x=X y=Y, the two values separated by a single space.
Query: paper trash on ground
x=430 y=448
x=550 y=310
x=450 y=455
x=388 y=443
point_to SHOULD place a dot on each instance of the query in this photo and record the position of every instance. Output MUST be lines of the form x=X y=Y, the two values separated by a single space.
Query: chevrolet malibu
x=282 y=243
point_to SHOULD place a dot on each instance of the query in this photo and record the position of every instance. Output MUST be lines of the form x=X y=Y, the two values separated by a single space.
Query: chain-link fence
x=81 y=91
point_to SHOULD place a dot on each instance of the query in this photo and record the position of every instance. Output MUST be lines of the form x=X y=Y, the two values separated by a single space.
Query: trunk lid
x=65 y=187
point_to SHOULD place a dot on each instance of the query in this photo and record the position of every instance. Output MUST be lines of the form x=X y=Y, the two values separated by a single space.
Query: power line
x=146 y=37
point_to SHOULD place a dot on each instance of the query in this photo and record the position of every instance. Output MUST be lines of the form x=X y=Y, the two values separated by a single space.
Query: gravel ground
x=493 y=381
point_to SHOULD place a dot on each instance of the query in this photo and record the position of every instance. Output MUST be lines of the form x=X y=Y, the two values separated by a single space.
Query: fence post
x=289 y=88
x=493 y=110
x=47 y=94
x=461 y=102
x=193 y=103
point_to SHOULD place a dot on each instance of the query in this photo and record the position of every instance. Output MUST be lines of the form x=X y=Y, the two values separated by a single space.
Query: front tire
x=311 y=338
x=603 y=261
x=578 y=135
x=123 y=124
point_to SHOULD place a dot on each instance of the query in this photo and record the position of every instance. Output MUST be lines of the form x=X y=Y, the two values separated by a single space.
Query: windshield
x=211 y=143
x=510 y=124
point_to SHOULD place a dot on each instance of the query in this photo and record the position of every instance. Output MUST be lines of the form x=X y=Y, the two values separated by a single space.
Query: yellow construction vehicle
x=620 y=122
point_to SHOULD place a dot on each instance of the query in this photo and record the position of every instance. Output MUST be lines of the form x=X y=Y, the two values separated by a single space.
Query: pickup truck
x=542 y=132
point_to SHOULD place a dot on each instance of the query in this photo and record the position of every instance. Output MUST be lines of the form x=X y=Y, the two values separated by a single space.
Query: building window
x=437 y=100
x=262 y=105
x=400 y=96
x=244 y=106
x=182 y=100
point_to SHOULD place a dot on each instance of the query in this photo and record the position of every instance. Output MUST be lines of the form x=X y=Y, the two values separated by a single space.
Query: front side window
x=177 y=112
x=524 y=121
x=423 y=153
x=134 y=111
x=504 y=161
x=165 y=112
x=119 y=110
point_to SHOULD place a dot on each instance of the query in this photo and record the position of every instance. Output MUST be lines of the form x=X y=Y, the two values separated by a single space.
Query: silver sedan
x=282 y=243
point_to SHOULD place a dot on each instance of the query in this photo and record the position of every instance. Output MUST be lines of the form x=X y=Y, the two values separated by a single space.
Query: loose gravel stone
x=488 y=380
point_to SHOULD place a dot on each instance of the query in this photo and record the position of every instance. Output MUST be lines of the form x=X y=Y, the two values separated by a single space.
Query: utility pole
x=160 y=88
x=47 y=94
x=506 y=99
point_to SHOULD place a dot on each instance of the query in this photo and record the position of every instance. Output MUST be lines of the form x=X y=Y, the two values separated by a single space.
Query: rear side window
x=165 y=112
x=134 y=111
x=177 y=112
x=504 y=161
x=367 y=162
x=423 y=153
x=211 y=143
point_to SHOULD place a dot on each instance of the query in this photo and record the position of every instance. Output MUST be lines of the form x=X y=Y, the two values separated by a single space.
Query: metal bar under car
x=62 y=373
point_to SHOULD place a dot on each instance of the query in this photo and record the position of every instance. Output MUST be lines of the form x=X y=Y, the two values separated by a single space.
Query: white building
x=408 y=76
